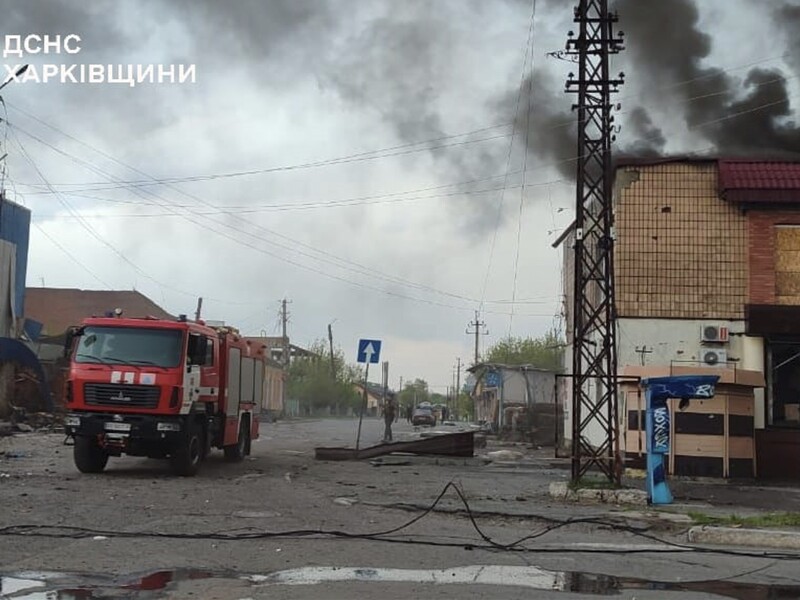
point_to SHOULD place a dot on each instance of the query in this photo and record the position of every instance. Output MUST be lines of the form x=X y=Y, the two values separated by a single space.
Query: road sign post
x=369 y=352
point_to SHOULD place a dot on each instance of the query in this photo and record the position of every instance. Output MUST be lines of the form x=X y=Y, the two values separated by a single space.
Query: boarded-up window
x=787 y=264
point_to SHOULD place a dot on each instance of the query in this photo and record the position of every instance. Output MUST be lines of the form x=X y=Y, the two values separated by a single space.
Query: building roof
x=373 y=389
x=742 y=180
x=754 y=182
x=626 y=160
x=59 y=308
x=489 y=366
x=275 y=346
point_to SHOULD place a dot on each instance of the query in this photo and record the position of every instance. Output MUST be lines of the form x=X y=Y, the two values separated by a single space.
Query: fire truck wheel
x=186 y=459
x=89 y=456
x=236 y=452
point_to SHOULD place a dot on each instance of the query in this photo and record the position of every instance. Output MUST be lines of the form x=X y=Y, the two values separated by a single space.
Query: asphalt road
x=152 y=535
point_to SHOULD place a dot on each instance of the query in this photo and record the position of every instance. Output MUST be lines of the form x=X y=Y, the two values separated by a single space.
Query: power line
x=398 y=150
x=344 y=260
x=318 y=271
x=501 y=199
x=368 y=155
x=290 y=207
x=71 y=256
x=524 y=174
x=326 y=256
x=96 y=235
x=337 y=160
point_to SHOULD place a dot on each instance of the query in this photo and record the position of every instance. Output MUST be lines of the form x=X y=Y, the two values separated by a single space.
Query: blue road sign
x=369 y=351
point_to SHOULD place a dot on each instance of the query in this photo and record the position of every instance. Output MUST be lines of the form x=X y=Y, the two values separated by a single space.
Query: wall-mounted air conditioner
x=714 y=333
x=714 y=357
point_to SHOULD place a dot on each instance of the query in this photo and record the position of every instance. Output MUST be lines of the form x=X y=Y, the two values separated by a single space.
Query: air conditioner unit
x=714 y=333
x=714 y=357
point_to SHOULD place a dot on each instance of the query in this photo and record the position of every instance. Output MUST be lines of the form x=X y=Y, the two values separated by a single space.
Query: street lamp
x=19 y=72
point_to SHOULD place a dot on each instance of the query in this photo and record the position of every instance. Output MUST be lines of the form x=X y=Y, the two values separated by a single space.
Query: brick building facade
x=711 y=247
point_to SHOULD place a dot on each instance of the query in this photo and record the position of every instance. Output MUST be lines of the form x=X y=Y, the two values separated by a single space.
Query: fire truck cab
x=161 y=389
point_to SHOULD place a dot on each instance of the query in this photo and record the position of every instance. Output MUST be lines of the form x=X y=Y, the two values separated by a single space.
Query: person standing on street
x=389 y=416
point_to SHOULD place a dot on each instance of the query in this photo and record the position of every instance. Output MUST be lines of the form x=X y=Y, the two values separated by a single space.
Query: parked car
x=423 y=415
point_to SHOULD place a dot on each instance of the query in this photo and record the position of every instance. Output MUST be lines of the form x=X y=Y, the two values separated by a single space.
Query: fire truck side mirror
x=69 y=341
x=196 y=351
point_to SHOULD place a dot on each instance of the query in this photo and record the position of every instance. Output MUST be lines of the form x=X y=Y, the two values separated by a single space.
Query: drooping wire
x=501 y=199
x=524 y=173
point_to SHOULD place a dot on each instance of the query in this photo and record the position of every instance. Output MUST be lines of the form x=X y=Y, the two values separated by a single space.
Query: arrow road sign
x=369 y=351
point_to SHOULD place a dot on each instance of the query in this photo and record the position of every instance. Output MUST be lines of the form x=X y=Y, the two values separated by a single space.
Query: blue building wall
x=15 y=226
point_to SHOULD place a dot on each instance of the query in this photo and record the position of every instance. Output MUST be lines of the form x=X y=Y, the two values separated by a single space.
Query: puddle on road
x=77 y=586
x=527 y=577
x=65 y=586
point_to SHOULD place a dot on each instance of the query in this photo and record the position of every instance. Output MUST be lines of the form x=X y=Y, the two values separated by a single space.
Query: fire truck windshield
x=130 y=346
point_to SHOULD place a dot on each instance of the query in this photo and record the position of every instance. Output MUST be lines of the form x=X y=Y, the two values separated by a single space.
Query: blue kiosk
x=657 y=391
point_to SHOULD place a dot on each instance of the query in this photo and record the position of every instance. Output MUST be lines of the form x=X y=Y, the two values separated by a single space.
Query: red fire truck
x=161 y=389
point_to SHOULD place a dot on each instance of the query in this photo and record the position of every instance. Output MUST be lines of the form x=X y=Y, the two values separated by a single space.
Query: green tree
x=313 y=384
x=414 y=393
x=544 y=352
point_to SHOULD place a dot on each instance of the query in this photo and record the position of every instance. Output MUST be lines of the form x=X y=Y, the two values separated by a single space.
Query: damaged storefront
x=517 y=402
x=707 y=280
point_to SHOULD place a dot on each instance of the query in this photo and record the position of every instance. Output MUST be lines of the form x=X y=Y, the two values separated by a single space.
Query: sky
x=388 y=167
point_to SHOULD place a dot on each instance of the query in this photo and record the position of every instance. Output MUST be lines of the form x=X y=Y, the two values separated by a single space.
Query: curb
x=560 y=490
x=730 y=536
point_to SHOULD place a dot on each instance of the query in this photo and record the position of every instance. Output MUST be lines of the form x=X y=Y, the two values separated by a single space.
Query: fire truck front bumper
x=133 y=434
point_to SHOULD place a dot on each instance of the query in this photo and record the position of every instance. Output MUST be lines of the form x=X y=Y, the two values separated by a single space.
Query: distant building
x=374 y=397
x=275 y=347
x=56 y=309
x=19 y=363
x=14 y=235
x=517 y=401
x=59 y=308
x=274 y=403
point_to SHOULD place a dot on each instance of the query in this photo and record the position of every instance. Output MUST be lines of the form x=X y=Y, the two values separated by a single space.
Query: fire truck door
x=234 y=382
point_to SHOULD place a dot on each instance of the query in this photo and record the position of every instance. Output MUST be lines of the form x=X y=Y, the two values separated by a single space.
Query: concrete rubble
x=561 y=490
x=747 y=537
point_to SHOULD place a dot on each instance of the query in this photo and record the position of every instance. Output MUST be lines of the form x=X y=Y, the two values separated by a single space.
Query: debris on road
x=343 y=501
x=448 y=444
x=504 y=455
x=15 y=454
x=256 y=514
x=561 y=490
x=383 y=462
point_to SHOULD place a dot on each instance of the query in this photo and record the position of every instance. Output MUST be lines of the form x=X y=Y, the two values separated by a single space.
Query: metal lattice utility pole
x=285 y=349
x=480 y=329
x=595 y=431
x=285 y=359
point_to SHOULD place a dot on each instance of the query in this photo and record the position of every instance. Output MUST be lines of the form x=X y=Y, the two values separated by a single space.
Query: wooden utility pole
x=199 y=308
x=333 y=362
x=458 y=384
x=284 y=352
x=284 y=337
x=480 y=329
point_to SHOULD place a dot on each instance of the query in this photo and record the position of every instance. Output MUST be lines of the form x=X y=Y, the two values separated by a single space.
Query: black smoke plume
x=748 y=117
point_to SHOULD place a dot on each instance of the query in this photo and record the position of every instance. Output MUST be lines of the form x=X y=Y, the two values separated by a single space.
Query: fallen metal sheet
x=461 y=443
